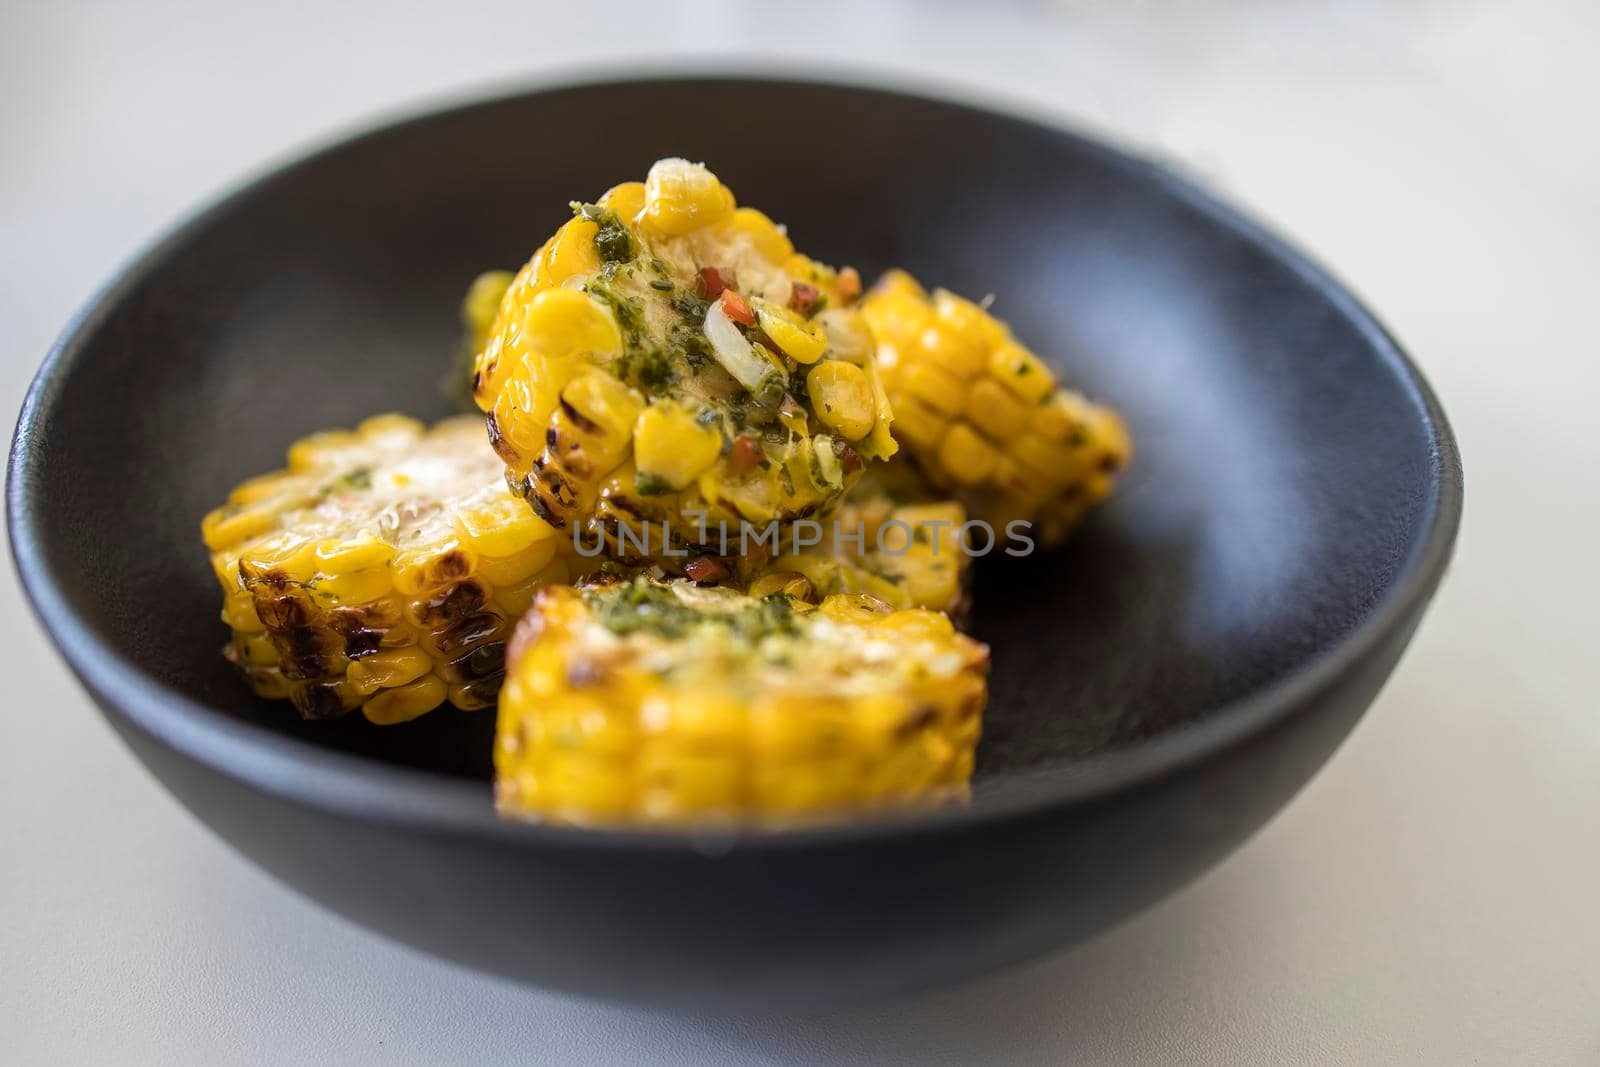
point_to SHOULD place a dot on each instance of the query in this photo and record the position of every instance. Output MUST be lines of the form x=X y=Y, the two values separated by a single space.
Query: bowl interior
x=1285 y=463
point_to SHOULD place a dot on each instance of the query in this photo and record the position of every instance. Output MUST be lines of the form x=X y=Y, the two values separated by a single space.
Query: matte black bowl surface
x=1160 y=688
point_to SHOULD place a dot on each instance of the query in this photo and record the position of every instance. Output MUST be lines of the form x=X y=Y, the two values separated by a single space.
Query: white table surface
x=1433 y=896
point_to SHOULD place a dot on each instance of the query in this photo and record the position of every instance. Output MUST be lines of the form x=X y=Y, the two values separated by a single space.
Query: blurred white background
x=1433 y=896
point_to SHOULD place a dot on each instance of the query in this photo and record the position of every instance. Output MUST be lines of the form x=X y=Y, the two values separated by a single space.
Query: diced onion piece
x=733 y=351
x=827 y=462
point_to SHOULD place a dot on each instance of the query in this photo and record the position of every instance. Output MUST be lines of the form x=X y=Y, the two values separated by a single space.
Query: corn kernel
x=502 y=526
x=681 y=196
x=841 y=396
x=993 y=410
x=671 y=447
x=406 y=702
x=1021 y=371
x=568 y=323
x=627 y=200
x=800 y=340
x=967 y=457
x=767 y=236
x=389 y=669
x=572 y=253
x=935 y=387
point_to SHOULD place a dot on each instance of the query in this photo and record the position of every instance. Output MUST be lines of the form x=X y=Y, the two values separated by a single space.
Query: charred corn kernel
x=671 y=448
x=983 y=418
x=841 y=395
x=382 y=574
x=799 y=339
x=680 y=196
x=649 y=398
x=666 y=703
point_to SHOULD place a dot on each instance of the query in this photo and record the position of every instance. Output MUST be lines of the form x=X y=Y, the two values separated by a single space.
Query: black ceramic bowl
x=1160 y=687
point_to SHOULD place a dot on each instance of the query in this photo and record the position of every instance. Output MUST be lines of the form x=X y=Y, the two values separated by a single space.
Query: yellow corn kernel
x=1059 y=418
x=341 y=556
x=1021 y=371
x=570 y=324
x=606 y=402
x=230 y=524
x=800 y=340
x=388 y=669
x=256 y=650
x=692 y=719
x=501 y=526
x=391 y=430
x=841 y=396
x=585 y=789
x=967 y=457
x=993 y=410
x=502 y=571
x=573 y=252
x=917 y=424
x=934 y=386
x=786 y=583
x=767 y=236
x=680 y=196
x=406 y=702
x=258 y=488
x=239 y=613
x=308 y=451
x=968 y=321
x=513 y=600
x=678 y=784
x=671 y=448
x=356 y=587
x=627 y=200
x=938 y=345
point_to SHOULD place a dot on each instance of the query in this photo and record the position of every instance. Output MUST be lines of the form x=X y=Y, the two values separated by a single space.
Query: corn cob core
x=982 y=417
x=382 y=569
x=668 y=703
x=667 y=356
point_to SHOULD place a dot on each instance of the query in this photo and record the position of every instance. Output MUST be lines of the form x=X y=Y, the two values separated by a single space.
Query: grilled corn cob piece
x=982 y=417
x=669 y=703
x=667 y=357
x=383 y=569
x=906 y=553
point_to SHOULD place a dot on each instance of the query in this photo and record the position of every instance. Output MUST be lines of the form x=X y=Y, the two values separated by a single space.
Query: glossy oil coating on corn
x=982 y=417
x=382 y=569
x=667 y=356
x=645 y=702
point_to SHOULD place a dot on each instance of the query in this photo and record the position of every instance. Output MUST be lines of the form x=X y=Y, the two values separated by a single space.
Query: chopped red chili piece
x=745 y=454
x=737 y=308
x=849 y=461
x=712 y=283
x=803 y=298
x=849 y=284
x=706 y=569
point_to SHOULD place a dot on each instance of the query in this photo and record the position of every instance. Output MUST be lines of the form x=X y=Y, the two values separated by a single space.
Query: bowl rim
x=363 y=788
